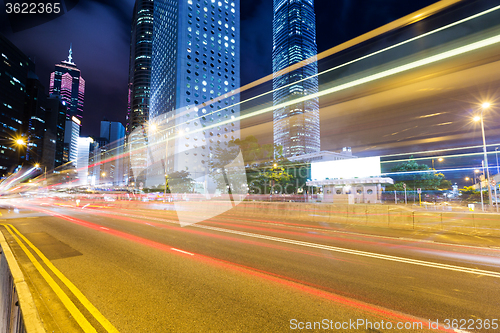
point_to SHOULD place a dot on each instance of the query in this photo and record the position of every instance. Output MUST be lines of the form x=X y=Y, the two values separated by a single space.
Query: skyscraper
x=195 y=70
x=112 y=154
x=141 y=50
x=67 y=83
x=295 y=127
x=22 y=109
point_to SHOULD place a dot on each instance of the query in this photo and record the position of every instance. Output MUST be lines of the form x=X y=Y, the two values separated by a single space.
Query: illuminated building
x=195 y=68
x=140 y=64
x=82 y=163
x=139 y=84
x=295 y=127
x=22 y=108
x=68 y=85
x=71 y=134
x=114 y=133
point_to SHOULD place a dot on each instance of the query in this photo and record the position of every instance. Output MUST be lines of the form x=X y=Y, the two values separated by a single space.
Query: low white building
x=349 y=181
x=353 y=190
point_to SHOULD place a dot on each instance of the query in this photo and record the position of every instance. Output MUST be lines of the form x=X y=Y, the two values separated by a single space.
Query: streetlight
x=37 y=165
x=19 y=142
x=439 y=160
x=485 y=106
x=496 y=153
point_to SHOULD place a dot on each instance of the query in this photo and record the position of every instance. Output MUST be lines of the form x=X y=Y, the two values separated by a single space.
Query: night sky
x=100 y=33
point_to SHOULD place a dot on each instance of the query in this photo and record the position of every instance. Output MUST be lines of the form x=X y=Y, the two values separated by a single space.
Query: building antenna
x=70 y=57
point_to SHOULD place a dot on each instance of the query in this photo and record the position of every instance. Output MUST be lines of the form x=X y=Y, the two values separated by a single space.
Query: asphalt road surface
x=109 y=269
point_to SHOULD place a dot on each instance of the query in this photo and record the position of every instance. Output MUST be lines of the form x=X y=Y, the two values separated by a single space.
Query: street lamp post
x=496 y=153
x=20 y=143
x=484 y=106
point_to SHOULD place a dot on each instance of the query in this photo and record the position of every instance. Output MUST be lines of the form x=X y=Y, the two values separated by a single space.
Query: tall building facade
x=71 y=135
x=82 y=163
x=112 y=154
x=194 y=82
x=21 y=108
x=295 y=127
x=67 y=83
x=141 y=50
x=53 y=146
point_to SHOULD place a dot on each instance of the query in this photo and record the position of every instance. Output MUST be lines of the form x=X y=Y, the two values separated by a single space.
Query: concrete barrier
x=429 y=221
x=377 y=215
x=388 y=216
x=338 y=213
x=400 y=218
x=487 y=224
x=295 y=211
x=248 y=208
x=321 y=213
x=356 y=214
x=458 y=222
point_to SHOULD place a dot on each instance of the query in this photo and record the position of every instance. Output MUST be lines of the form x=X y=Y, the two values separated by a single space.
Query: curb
x=31 y=319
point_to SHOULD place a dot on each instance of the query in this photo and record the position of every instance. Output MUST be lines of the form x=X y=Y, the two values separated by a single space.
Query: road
x=137 y=270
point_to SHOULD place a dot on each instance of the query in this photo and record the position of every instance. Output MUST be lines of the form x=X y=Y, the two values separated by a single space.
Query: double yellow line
x=68 y=303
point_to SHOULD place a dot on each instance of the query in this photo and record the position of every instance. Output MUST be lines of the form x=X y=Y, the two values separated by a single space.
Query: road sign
x=404 y=185
x=419 y=190
x=493 y=182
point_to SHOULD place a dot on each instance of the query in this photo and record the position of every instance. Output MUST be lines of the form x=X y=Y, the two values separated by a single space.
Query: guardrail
x=387 y=216
x=18 y=313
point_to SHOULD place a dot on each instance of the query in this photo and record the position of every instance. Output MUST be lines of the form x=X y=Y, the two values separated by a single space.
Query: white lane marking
x=85 y=206
x=358 y=253
x=173 y=248
x=415 y=240
x=104 y=228
x=339 y=249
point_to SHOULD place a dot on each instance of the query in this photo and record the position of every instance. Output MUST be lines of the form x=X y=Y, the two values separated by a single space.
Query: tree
x=416 y=175
x=271 y=179
x=179 y=182
x=255 y=154
x=470 y=194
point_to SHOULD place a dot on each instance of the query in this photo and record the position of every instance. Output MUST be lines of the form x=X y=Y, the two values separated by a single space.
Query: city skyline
x=92 y=26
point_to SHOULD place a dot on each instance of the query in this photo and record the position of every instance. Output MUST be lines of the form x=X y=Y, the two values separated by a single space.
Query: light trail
x=368 y=79
x=196 y=108
x=438 y=150
x=302 y=286
x=345 y=250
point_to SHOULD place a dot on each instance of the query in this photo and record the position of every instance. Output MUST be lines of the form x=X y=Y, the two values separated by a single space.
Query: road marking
x=80 y=319
x=83 y=300
x=104 y=228
x=357 y=252
x=173 y=248
x=342 y=250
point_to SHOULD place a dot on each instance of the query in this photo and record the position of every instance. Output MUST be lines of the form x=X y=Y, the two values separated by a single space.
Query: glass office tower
x=67 y=84
x=141 y=50
x=194 y=82
x=295 y=127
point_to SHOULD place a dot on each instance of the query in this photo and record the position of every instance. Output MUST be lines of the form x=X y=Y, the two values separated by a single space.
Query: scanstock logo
x=205 y=176
x=24 y=14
